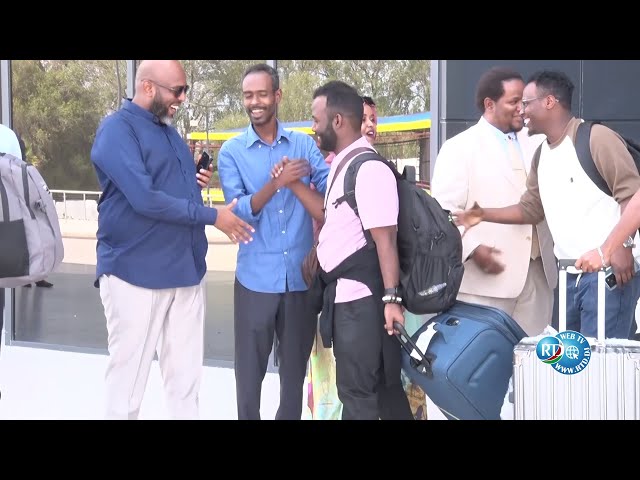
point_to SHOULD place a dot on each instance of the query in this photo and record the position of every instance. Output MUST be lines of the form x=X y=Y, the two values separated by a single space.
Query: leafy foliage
x=58 y=104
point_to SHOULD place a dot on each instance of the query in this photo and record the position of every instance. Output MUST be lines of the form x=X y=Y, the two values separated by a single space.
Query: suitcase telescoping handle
x=424 y=364
x=568 y=266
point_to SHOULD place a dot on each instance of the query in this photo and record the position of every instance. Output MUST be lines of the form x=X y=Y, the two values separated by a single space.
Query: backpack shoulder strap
x=583 y=149
x=349 y=194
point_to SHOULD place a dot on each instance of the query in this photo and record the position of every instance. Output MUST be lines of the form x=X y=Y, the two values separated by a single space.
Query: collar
x=137 y=110
x=361 y=142
x=252 y=136
x=497 y=132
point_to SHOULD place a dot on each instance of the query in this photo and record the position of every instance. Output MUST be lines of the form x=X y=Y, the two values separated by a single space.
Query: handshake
x=289 y=170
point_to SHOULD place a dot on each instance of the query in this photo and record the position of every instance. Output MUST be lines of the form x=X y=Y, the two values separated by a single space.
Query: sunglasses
x=177 y=91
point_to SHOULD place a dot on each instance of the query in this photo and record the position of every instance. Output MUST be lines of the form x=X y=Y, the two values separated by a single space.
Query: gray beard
x=162 y=112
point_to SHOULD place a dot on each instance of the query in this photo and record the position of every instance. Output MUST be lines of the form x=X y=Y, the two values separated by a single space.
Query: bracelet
x=392 y=299
x=604 y=264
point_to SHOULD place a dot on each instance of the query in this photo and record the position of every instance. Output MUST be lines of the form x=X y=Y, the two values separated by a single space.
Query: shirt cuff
x=206 y=215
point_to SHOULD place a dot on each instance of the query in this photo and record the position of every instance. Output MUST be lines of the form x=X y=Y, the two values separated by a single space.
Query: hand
x=622 y=264
x=290 y=171
x=392 y=313
x=203 y=177
x=590 y=262
x=278 y=168
x=468 y=218
x=484 y=257
x=236 y=229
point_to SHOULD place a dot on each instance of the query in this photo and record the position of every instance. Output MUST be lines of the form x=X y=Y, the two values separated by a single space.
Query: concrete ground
x=61 y=382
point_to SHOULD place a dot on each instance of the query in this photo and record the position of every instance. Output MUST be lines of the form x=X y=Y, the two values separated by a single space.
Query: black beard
x=328 y=140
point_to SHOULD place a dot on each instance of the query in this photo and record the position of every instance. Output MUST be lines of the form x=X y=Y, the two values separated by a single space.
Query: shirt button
x=282 y=231
x=278 y=142
x=280 y=211
x=528 y=238
x=278 y=190
x=259 y=146
x=285 y=253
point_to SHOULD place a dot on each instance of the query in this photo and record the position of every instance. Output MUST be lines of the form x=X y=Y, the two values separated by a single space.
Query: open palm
x=468 y=218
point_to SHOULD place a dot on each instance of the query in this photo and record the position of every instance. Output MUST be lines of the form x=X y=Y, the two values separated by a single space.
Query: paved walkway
x=39 y=383
x=42 y=384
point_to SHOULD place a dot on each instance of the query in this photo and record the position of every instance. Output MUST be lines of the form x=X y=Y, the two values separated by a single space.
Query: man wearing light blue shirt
x=269 y=292
x=9 y=142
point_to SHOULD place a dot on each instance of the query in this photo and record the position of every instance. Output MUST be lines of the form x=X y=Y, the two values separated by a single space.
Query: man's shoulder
x=372 y=169
x=116 y=120
x=234 y=142
x=603 y=133
x=6 y=130
x=302 y=139
x=465 y=135
x=300 y=136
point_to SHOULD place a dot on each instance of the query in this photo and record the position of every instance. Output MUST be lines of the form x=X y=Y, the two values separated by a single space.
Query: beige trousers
x=532 y=309
x=141 y=321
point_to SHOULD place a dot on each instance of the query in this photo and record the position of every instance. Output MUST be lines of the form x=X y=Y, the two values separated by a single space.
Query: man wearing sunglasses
x=152 y=245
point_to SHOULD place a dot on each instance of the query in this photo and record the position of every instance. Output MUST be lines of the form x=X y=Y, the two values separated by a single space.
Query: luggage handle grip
x=424 y=366
x=563 y=264
x=569 y=263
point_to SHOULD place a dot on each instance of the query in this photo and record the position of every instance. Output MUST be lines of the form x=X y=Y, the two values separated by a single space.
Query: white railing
x=83 y=204
x=76 y=204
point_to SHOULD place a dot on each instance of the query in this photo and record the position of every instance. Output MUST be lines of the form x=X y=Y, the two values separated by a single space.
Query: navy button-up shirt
x=151 y=216
x=284 y=232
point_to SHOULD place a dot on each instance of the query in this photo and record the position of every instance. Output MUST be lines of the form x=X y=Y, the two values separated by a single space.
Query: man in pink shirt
x=357 y=273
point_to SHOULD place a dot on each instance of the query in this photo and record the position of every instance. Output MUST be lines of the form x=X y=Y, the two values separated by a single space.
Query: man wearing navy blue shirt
x=269 y=292
x=152 y=245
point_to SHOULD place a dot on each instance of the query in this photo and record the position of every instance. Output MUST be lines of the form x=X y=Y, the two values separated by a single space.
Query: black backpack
x=583 y=149
x=429 y=243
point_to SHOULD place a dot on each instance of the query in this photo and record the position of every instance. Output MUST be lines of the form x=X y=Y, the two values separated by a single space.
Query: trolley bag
x=577 y=378
x=463 y=359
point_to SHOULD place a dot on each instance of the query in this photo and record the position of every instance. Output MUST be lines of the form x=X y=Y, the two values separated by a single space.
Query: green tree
x=57 y=108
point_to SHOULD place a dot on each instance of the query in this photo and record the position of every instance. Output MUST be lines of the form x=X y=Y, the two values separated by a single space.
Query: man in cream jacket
x=511 y=267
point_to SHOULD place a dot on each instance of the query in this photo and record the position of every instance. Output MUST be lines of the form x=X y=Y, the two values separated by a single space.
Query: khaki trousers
x=141 y=321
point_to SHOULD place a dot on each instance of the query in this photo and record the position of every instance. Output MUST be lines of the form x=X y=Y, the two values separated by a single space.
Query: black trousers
x=358 y=336
x=257 y=317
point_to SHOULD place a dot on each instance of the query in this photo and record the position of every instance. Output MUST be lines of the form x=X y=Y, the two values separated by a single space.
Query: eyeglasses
x=177 y=91
x=527 y=102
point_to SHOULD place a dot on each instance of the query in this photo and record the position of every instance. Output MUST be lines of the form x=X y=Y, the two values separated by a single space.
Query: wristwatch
x=629 y=243
x=391 y=291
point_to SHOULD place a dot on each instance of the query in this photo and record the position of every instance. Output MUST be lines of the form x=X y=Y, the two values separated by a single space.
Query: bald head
x=159 y=71
x=161 y=86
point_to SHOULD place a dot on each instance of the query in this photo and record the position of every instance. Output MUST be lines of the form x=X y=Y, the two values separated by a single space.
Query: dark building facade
x=605 y=90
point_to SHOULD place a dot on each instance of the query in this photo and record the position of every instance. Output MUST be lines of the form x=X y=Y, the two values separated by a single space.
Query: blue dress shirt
x=151 y=216
x=272 y=262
